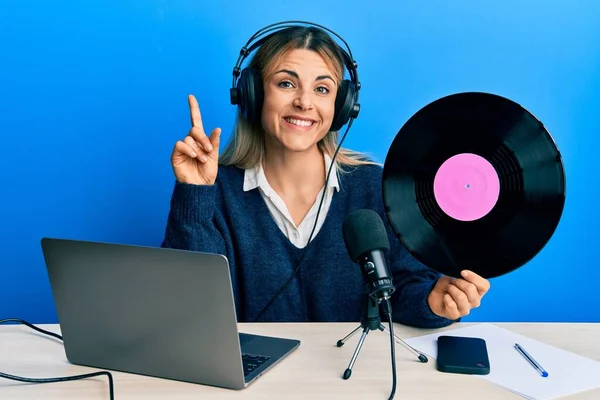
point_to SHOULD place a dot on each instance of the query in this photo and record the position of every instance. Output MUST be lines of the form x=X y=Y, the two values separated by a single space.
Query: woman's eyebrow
x=295 y=75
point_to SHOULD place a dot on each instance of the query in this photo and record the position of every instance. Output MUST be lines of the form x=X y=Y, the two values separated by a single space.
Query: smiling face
x=299 y=102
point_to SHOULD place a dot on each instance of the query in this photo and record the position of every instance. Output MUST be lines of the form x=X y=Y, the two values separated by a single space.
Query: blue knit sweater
x=223 y=219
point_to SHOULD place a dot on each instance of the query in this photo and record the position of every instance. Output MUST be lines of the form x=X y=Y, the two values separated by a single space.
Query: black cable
x=388 y=312
x=57 y=379
x=331 y=166
x=45 y=332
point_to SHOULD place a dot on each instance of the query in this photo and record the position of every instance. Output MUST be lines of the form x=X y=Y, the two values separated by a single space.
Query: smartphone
x=462 y=355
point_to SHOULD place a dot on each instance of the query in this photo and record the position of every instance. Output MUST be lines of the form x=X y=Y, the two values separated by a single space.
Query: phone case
x=462 y=355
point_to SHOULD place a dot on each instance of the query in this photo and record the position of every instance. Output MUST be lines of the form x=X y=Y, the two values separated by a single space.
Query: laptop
x=154 y=311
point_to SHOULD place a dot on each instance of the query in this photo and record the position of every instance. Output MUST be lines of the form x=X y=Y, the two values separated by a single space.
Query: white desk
x=313 y=371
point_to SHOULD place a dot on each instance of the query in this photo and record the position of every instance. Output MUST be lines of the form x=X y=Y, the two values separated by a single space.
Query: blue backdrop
x=93 y=98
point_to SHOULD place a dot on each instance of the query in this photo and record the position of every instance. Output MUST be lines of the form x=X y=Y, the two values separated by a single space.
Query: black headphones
x=247 y=91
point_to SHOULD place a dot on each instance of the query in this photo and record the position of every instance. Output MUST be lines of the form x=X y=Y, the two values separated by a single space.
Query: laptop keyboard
x=252 y=361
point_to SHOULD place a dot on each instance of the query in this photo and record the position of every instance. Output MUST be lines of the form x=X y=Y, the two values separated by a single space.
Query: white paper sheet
x=568 y=373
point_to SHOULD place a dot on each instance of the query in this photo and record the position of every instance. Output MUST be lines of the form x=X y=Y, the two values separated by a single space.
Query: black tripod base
x=371 y=321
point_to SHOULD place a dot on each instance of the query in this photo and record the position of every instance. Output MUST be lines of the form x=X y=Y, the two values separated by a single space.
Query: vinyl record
x=474 y=181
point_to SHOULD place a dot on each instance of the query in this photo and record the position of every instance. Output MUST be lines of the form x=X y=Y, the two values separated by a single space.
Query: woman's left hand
x=454 y=298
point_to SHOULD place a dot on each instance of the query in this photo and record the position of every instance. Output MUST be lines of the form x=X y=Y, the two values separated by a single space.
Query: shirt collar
x=255 y=177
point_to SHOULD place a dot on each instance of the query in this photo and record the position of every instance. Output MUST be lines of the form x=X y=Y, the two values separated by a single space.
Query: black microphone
x=366 y=241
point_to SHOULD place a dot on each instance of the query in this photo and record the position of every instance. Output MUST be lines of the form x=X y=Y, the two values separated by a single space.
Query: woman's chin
x=298 y=145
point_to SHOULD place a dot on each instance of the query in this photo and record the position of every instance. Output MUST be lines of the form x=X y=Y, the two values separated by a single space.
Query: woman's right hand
x=195 y=159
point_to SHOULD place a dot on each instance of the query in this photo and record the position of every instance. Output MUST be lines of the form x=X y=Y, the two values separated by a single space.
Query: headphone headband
x=249 y=47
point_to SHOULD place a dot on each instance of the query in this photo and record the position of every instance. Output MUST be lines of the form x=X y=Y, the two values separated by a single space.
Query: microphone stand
x=370 y=321
x=366 y=240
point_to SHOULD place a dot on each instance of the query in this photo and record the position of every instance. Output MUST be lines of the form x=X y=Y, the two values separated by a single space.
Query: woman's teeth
x=299 y=122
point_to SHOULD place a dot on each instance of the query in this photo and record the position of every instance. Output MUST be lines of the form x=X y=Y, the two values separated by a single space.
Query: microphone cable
x=331 y=166
x=387 y=309
x=58 y=379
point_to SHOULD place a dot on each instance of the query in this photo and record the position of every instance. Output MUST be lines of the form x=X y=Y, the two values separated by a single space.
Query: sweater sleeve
x=413 y=282
x=192 y=222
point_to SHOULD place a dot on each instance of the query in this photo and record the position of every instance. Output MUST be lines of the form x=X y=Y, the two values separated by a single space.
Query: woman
x=257 y=202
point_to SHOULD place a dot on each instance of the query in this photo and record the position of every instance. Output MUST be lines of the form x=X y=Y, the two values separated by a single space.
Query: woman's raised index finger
x=195 y=116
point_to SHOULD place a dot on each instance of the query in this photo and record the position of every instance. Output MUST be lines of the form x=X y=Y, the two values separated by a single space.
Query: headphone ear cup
x=251 y=95
x=344 y=104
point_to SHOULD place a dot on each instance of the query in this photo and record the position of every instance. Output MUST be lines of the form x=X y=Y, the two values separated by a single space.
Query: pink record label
x=466 y=187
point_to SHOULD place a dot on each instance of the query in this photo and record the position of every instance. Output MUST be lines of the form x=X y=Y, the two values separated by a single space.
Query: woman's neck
x=295 y=175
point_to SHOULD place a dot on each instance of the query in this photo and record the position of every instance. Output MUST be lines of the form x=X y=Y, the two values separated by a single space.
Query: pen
x=534 y=363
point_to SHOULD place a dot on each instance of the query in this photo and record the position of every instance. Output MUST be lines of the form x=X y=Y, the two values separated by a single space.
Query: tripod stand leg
x=422 y=357
x=348 y=371
x=341 y=342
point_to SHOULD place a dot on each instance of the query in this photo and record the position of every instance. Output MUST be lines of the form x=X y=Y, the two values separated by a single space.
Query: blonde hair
x=246 y=146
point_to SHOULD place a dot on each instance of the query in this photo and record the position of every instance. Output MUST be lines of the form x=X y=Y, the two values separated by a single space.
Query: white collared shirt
x=298 y=235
